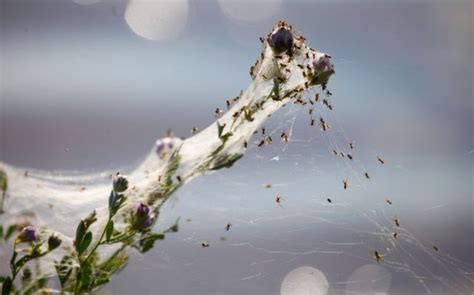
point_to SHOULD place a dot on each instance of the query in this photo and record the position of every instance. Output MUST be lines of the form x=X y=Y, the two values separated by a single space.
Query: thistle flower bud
x=141 y=217
x=53 y=242
x=90 y=219
x=323 y=64
x=281 y=40
x=120 y=183
x=28 y=234
x=164 y=146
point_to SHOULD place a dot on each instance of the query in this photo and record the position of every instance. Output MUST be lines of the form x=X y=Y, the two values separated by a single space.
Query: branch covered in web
x=285 y=69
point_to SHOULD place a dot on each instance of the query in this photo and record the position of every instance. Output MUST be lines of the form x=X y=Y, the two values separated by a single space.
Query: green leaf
x=112 y=265
x=1 y=231
x=213 y=158
x=84 y=243
x=220 y=129
x=80 y=232
x=36 y=250
x=109 y=229
x=102 y=280
x=87 y=240
x=22 y=261
x=226 y=136
x=112 y=201
x=116 y=261
x=174 y=228
x=226 y=161
x=10 y=231
x=7 y=286
x=148 y=240
x=217 y=150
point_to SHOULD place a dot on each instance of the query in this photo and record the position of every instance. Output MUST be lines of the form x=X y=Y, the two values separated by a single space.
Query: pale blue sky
x=411 y=60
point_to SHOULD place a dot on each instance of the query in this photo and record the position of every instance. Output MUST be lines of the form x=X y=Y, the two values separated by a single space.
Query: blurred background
x=88 y=85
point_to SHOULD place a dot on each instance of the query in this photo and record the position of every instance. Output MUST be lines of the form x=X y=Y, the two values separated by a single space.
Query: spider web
x=337 y=238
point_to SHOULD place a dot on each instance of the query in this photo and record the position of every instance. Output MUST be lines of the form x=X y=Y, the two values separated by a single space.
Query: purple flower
x=28 y=234
x=281 y=40
x=142 y=217
x=323 y=64
x=164 y=146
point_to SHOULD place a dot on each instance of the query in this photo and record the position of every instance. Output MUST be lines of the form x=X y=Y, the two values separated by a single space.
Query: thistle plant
x=103 y=240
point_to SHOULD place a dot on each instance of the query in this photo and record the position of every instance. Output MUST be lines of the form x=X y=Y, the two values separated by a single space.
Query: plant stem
x=98 y=241
x=12 y=263
x=119 y=239
x=82 y=262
